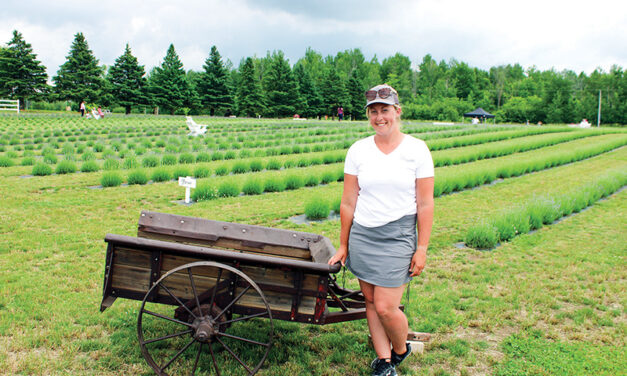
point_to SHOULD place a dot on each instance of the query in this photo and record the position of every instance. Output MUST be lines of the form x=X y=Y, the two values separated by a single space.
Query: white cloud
x=573 y=35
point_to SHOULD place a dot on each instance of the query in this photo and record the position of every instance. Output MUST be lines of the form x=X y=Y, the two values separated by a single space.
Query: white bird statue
x=195 y=129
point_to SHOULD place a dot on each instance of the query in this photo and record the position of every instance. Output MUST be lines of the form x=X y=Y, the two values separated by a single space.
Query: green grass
x=547 y=303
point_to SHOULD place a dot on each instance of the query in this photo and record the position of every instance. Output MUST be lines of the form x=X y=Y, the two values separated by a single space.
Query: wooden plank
x=131 y=257
x=231 y=245
x=131 y=278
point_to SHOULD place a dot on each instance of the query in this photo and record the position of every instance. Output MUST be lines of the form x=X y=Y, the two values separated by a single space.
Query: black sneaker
x=382 y=368
x=397 y=359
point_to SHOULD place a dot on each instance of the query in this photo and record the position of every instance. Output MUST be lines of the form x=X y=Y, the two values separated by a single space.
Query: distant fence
x=10 y=105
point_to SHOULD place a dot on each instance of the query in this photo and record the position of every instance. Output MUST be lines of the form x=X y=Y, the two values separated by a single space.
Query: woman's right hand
x=340 y=256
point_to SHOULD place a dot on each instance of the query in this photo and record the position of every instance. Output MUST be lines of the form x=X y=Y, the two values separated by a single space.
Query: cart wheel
x=211 y=298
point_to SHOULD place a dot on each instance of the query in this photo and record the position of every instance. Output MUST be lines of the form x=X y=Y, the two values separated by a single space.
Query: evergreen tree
x=249 y=99
x=357 y=97
x=127 y=81
x=168 y=84
x=280 y=87
x=213 y=87
x=80 y=77
x=311 y=101
x=22 y=76
x=333 y=91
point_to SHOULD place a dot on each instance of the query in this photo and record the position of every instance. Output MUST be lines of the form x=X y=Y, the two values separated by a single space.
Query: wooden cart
x=222 y=278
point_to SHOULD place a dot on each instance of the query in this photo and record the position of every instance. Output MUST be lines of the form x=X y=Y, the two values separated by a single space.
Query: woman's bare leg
x=387 y=323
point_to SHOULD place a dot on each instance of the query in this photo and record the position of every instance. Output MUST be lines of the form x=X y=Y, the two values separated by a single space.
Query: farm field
x=547 y=302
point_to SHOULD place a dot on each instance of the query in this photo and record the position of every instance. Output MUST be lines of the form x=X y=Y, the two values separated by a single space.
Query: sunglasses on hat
x=383 y=93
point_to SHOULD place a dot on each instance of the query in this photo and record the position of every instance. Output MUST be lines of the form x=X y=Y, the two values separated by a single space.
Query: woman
x=388 y=190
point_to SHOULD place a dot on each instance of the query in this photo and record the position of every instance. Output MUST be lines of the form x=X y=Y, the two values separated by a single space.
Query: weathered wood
x=235 y=236
x=231 y=245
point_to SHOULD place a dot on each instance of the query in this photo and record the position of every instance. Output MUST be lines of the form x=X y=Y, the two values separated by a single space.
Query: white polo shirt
x=387 y=182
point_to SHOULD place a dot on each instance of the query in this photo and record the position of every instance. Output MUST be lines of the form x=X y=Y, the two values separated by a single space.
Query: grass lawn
x=550 y=302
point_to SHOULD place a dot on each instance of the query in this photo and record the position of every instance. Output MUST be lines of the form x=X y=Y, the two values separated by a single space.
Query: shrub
x=65 y=167
x=240 y=167
x=161 y=174
x=137 y=177
x=273 y=164
x=88 y=156
x=328 y=158
x=229 y=154
x=228 y=189
x=111 y=164
x=186 y=158
x=150 y=161
x=303 y=162
x=274 y=184
x=6 y=161
x=130 y=163
x=253 y=186
x=317 y=208
x=181 y=171
x=203 y=157
x=311 y=180
x=50 y=158
x=41 y=169
x=202 y=172
x=293 y=182
x=222 y=170
x=110 y=179
x=90 y=166
x=256 y=165
x=504 y=227
x=27 y=161
x=482 y=236
x=168 y=160
x=327 y=177
x=336 y=205
x=204 y=192
x=289 y=163
x=217 y=156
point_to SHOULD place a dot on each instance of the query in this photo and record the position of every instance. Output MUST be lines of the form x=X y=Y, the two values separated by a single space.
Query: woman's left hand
x=418 y=261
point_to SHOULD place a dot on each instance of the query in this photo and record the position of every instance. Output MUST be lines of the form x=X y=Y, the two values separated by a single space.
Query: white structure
x=10 y=105
x=189 y=183
x=195 y=129
x=584 y=124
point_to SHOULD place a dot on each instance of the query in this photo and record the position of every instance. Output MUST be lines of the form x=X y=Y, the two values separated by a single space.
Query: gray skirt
x=382 y=255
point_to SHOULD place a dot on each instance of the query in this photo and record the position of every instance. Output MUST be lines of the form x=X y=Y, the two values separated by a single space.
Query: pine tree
x=249 y=99
x=280 y=87
x=357 y=98
x=334 y=92
x=168 y=85
x=311 y=101
x=80 y=77
x=212 y=86
x=128 y=84
x=22 y=76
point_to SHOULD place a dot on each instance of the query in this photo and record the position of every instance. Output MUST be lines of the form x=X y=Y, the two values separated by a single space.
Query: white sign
x=187 y=182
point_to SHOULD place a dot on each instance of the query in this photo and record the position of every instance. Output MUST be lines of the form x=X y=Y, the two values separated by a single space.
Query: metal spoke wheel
x=211 y=299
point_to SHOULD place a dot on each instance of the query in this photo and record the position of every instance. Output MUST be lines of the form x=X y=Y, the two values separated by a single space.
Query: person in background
x=100 y=113
x=340 y=113
x=82 y=108
x=388 y=191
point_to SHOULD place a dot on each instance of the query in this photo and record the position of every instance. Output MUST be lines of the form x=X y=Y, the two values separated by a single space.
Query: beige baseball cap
x=382 y=94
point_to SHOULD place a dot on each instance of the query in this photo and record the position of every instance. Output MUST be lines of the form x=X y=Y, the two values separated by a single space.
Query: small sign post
x=187 y=182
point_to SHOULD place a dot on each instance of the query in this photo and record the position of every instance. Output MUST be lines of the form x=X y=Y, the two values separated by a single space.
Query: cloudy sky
x=577 y=35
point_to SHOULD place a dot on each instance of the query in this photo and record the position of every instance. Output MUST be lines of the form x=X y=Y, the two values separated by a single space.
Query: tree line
x=315 y=86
